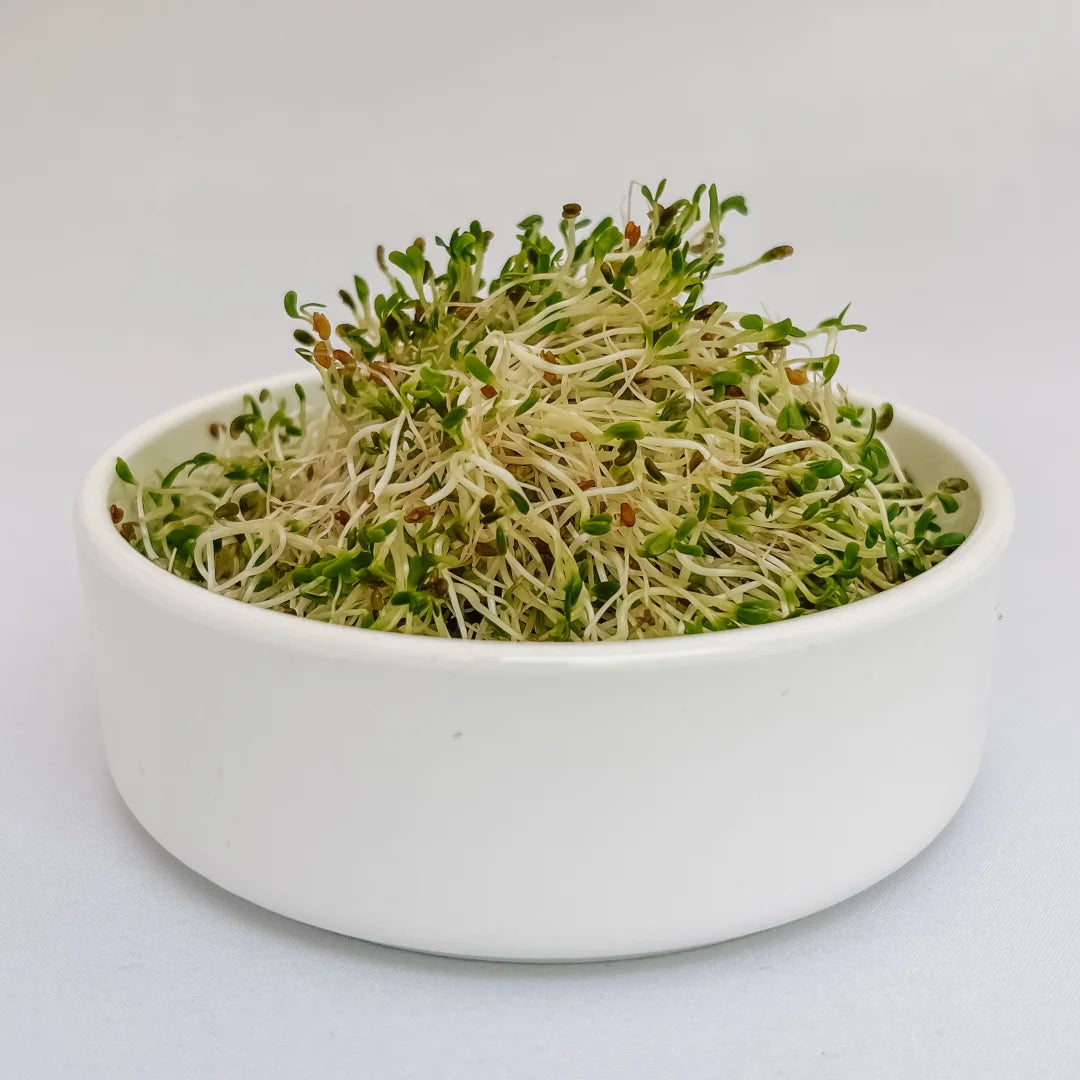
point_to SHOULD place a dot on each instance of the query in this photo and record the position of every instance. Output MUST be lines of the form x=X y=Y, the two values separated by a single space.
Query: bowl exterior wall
x=540 y=809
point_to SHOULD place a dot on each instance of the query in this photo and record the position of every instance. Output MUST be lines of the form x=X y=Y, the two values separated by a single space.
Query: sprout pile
x=582 y=448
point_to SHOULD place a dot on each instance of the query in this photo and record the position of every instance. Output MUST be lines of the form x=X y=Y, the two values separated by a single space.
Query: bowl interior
x=927 y=459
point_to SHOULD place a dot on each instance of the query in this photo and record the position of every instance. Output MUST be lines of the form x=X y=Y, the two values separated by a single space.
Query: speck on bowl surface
x=542 y=801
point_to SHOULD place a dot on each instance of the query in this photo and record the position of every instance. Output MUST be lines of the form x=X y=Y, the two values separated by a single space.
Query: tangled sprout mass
x=583 y=448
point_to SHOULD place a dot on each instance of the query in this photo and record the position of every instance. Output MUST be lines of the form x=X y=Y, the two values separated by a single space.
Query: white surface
x=170 y=169
x=524 y=801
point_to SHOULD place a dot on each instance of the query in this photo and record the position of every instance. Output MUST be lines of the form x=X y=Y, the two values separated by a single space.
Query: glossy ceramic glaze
x=542 y=801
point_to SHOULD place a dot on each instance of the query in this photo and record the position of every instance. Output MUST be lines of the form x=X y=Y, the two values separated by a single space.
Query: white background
x=169 y=170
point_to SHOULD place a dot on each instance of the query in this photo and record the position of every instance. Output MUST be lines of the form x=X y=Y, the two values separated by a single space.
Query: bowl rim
x=99 y=540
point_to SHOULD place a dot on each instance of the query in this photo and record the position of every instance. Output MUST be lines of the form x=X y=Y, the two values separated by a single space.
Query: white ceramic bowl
x=542 y=801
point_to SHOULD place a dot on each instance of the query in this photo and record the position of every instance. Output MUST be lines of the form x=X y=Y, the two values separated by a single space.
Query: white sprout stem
x=592 y=452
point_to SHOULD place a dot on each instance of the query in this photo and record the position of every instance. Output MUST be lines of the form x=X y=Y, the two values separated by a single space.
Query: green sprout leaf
x=603 y=591
x=792 y=418
x=667 y=339
x=948 y=541
x=453 y=420
x=628 y=431
x=656 y=544
x=479 y=370
x=747 y=480
x=823 y=470
x=597 y=525
x=527 y=404
x=753 y=612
